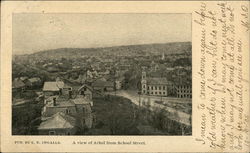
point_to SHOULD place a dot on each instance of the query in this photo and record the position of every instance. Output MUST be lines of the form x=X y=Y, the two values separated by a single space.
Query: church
x=153 y=86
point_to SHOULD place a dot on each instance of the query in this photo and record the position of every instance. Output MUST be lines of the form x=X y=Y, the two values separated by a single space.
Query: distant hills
x=130 y=50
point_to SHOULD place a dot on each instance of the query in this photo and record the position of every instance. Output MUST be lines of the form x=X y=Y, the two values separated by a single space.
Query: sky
x=38 y=31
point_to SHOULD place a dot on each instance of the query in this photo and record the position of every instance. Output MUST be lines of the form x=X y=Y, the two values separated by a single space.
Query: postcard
x=125 y=76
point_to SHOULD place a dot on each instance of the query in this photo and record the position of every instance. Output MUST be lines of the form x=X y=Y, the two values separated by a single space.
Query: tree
x=158 y=118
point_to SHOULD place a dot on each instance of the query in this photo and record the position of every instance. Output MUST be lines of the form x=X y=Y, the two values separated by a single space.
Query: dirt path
x=134 y=97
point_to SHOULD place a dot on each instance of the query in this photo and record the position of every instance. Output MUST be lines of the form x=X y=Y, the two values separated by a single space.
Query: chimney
x=70 y=93
x=60 y=91
x=54 y=101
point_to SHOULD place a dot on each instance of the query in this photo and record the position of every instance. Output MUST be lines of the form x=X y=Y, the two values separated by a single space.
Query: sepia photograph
x=102 y=74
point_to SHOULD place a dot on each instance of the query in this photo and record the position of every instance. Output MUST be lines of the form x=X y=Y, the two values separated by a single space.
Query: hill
x=130 y=50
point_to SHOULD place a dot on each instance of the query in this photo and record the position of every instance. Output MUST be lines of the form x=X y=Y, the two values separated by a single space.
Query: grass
x=119 y=116
x=114 y=116
x=26 y=118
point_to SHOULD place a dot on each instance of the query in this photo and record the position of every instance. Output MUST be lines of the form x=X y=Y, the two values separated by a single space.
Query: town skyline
x=52 y=31
x=102 y=74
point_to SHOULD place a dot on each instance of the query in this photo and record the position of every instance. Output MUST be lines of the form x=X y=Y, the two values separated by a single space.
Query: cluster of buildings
x=106 y=81
x=66 y=111
x=160 y=86
x=21 y=83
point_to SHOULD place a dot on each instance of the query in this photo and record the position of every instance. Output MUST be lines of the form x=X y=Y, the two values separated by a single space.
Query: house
x=103 y=86
x=56 y=88
x=85 y=91
x=52 y=88
x=154 y=86
x=35 y=81
x=24 y=78
x=83 y=107
x=67 y=90
x=58 y=124
x=89 y=74
x=119 y=82
x=78 y=106
x=154 y=66
x=55 y=104
x=17 y=85
x=81 y=78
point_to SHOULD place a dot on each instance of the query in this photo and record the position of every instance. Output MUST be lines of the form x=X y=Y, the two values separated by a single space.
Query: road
x=22 y=101
x=178 y=115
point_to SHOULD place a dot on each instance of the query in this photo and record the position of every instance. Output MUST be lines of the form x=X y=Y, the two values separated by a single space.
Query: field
x=26 y=118
x=119 y=116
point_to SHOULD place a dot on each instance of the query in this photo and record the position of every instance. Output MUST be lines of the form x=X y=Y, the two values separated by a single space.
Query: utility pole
x=114 y=78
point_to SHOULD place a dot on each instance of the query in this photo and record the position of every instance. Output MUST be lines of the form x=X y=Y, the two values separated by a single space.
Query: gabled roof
x=59 y=120
x=87 y=86
x=17 y=83
x=34 y=79
x=53 y=86
x=66 y=86
x=157 y=81
x=23 y=78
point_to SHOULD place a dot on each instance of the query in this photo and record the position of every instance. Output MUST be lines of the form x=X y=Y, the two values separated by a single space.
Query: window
x=152 y=93
x=160 y=93
x=160 y=88
x=152 y=88
x=144 y=86
x=155 y=87
x=52 y=133
x=156 y=93
x=148 y=87
x=144 y=91
x=163 y=93
x=82 y=93
x=67 y=111
x=163 y=87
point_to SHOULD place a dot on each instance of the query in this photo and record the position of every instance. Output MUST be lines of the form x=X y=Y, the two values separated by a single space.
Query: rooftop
x=59 y=120
x=53 y=86
x=17 y=83
x=36 y=79
x=85 y=86
x=157 y=81
x=81 y=101
x=60 y=102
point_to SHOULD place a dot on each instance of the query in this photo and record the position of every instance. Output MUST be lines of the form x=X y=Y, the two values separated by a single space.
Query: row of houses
x=66 y=111
x=22 y=83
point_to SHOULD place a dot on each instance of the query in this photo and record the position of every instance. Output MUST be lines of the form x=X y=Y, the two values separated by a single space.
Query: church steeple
x=144 y=81
x=163 y=56
x=143 y=74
